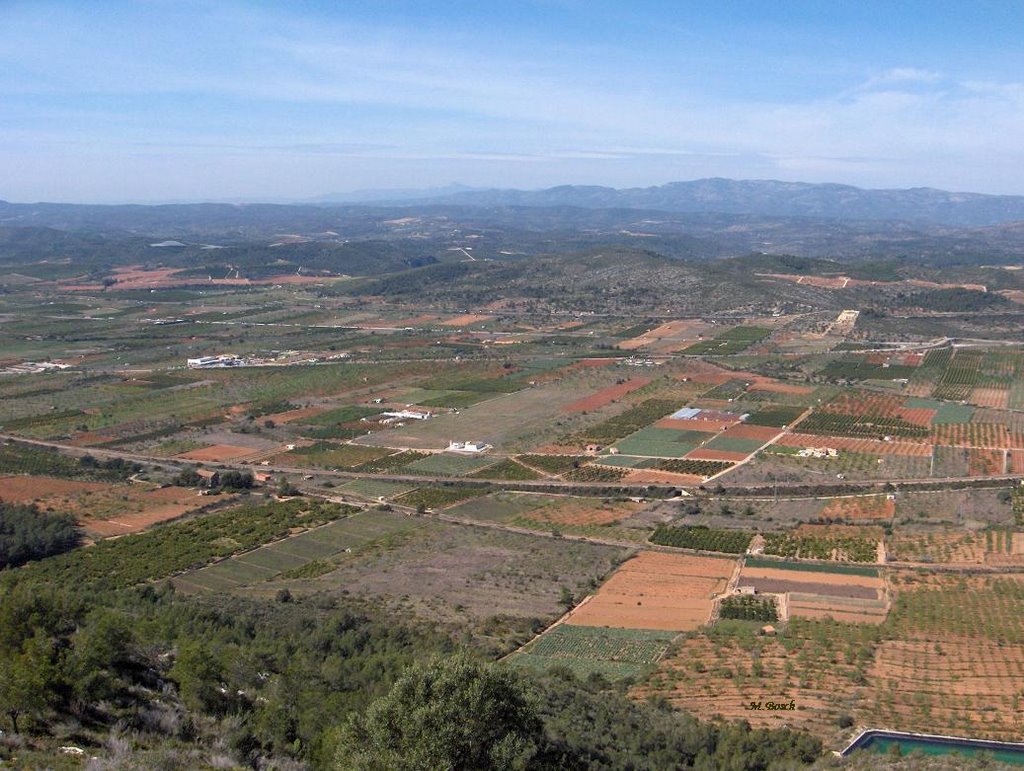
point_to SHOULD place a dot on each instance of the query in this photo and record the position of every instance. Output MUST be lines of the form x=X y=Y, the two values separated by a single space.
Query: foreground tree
x=451 y=714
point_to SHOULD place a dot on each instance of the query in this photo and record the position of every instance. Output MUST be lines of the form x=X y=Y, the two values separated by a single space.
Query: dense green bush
x=26 y=533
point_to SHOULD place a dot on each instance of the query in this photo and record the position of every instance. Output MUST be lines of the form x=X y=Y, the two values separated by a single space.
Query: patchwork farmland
x=641 y=499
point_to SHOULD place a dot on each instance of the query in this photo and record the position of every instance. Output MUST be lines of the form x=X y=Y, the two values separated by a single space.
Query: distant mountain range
x=760 y=197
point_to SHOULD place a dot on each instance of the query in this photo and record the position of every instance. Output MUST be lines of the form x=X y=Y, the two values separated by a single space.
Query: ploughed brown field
x=647 y=477
x=851 y=444
x=708 y=426
x=606 y=395
x=465 y=320
x=779 y=581
x=584 y=512
x=218 y=452
x=760 y=433
x=657 y=591
x=101 y=508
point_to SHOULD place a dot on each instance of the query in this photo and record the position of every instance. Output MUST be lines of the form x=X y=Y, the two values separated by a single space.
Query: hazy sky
x=158 y=100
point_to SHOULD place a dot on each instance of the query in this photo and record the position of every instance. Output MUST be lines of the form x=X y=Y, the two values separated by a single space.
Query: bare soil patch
x=606 y=395
x=584 y=512
x=218 y=452
x=863 y=446
x=465 y=320
x=657 y=591
x=707 y=426
x=645 y=476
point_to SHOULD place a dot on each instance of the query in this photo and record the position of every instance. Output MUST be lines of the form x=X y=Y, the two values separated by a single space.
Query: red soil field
x=871 y=507
x=716 y=690
x=991 y=435
x=293 y=415
x=819 y=578
x=25 y=489
x=760 y=433
x=996 y=398
x=970 y=685
x=575 y=511
x=1016 y=464
x=708 y=426
x=865 y=403
x=683 y=334
x=135 y=508
x=708 y=378
x=646 y=477
x=161 y=506
x=703 y=453
x=778 y=586
x=606 y=395
x=985 y=463
x=88 y=438
x=850 y=444
x=655 y=590
x=920 y=416
x=465 y=320
x=218 y=452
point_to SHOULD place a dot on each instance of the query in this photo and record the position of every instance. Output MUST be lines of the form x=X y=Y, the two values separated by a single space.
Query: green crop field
x=704 y=468
x=953 y=413
x=506 y=469
x=705 y=538
x=331 y=455
x=774 y=415
x=439 y=497
x=553 y=464
x=781 y=564
x=615 y=653
x=445 y=464
x=375 y=488
x=660 y=442
x=346 y=414
x=500 y=507
x=729 y=342
x=269 y=561
x=628 y=422
x=851 y=548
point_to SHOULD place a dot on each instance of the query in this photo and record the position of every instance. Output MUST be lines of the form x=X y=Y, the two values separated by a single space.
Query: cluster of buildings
x=397 y=416
x=471 y=448
x=27 y=367
x=208 y=362
x=818 y=452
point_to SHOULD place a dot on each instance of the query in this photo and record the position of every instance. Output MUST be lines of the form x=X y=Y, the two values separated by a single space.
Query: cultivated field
x=101 y=508
x=614 y=653
x=657 y=591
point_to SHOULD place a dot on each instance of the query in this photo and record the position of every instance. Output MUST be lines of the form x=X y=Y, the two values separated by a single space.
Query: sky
x=174 y=100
